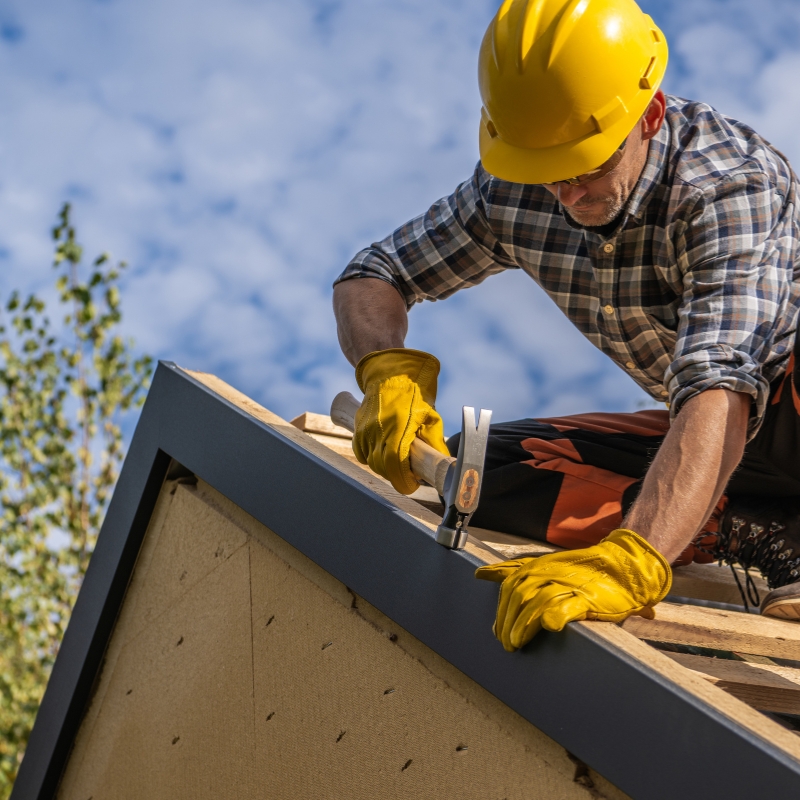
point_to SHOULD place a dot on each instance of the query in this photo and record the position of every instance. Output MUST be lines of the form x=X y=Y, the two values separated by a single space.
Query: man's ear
x=653 y=117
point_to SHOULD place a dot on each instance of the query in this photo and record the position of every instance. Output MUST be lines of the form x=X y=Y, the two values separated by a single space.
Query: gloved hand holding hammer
x=399 y=388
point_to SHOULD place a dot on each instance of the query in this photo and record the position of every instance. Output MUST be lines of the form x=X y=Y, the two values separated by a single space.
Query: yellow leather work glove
x=399 y=388
x=621 y=576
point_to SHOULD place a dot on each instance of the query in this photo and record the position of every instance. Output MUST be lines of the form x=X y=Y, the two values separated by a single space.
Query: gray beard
x=613 y=207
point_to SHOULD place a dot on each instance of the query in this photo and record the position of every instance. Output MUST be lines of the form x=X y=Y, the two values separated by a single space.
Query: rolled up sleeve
x=449 y=247
x=736 y=285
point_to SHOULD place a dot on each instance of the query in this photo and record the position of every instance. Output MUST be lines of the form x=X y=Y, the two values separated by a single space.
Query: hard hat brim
x=557 y=163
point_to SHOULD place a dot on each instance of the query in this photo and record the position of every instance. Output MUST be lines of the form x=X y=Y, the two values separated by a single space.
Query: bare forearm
x=370 y=315
x=690 y=471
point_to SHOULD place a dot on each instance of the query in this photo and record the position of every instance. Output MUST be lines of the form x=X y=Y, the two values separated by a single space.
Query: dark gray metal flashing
x=642 y=732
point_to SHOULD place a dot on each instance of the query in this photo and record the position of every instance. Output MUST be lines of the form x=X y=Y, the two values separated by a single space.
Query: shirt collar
x=643 y=191
x=652 y=173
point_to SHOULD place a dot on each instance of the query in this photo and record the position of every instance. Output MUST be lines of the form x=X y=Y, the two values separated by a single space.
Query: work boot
x=764 y=532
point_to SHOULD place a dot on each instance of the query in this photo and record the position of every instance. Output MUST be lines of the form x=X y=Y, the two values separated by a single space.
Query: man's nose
x=568 y=194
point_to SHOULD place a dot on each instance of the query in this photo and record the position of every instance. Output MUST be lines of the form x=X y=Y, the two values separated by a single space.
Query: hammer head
x=462 y=486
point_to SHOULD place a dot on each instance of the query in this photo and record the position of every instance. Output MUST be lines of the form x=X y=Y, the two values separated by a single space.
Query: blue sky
x=238 y=152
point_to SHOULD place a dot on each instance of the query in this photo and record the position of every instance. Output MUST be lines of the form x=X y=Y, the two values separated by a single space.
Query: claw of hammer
x=458 y=480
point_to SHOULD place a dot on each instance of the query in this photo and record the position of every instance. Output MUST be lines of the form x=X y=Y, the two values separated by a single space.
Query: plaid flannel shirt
x=694 y=289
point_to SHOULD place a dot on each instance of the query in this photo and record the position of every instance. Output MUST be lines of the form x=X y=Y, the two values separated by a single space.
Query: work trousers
x=571 y=480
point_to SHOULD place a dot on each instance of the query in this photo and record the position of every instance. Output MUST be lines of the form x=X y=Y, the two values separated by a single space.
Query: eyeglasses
x=595 y=174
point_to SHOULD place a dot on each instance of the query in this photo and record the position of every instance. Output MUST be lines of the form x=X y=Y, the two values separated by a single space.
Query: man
x=668 y=234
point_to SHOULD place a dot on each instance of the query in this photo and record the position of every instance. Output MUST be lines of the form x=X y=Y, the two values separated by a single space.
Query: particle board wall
x=240 y=669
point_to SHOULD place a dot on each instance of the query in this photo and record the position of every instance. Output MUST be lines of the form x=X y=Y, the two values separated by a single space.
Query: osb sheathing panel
x=238 y=668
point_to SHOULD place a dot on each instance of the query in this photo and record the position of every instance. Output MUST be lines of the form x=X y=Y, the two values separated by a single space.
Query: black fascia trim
x=645 y=734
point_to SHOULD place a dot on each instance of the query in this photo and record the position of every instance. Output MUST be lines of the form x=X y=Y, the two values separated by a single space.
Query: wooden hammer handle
x=426 y=463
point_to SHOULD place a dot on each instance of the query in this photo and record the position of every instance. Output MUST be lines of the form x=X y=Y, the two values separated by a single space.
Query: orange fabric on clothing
x=776 y=398
x=653 y=422
x=589 y=504
x=549 y=450
x=586 y=511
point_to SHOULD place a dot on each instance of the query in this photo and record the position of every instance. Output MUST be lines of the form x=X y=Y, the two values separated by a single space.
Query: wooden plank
x=513 y=550
x=320 y=423
x=509 y=539
x=762 y=686
x=339 y=445
x=712 y=582
x=719 y=630
x=427 y=496
x=753 y=659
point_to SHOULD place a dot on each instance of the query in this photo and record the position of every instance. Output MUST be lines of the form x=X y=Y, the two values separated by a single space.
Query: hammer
x=457 y=480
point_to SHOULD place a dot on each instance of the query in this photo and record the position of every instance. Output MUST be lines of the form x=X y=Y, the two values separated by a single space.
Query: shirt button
x=664 y=392
x=630 y=364
x=608 y=309
x=608 y=248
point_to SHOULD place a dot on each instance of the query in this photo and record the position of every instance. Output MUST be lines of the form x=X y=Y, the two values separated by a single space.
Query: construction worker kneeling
x=668 y=234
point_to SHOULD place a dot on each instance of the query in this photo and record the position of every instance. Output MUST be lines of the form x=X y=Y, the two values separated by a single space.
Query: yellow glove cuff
x=637 y=546
x=399 y=388
x=419 y=367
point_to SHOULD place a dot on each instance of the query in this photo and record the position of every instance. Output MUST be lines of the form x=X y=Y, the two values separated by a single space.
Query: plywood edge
x=310 y=422
x=509 y=551
x=712 y=582
x=334 y=459
x=335 y=443
x=262 y=536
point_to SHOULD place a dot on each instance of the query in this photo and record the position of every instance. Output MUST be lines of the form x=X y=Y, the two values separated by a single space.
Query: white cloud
x=237 y=153
x=742 y=58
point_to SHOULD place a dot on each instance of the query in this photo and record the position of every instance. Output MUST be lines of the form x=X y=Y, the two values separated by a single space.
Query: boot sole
x=788 y=608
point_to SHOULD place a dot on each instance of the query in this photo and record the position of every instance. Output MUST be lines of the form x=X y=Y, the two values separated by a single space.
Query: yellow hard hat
x=563 y=83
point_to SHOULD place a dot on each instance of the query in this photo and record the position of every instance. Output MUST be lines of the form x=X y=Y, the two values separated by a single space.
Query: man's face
x=600 y=201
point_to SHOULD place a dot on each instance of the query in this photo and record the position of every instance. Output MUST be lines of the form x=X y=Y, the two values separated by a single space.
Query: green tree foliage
x=63 y=393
